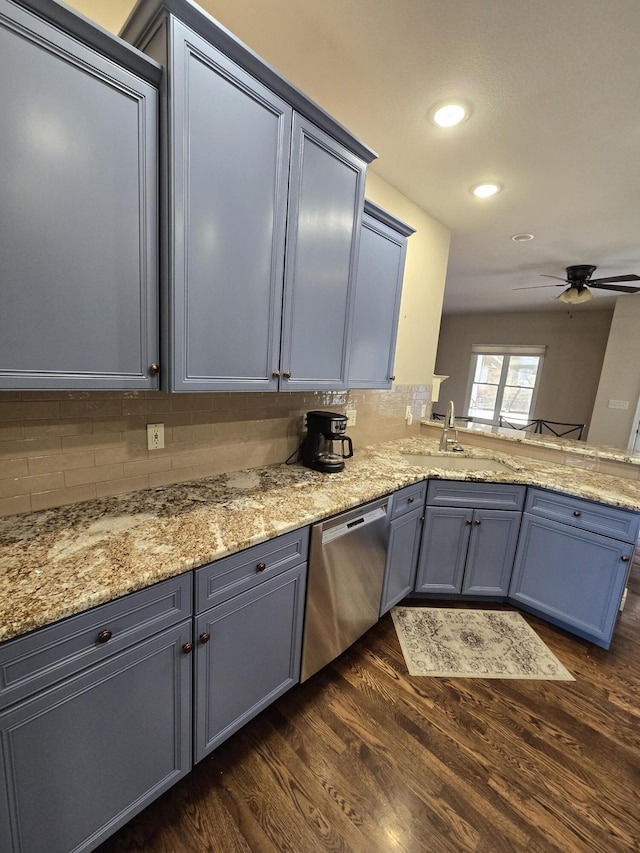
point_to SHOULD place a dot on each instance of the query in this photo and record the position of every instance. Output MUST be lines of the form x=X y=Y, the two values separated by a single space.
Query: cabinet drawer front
x=46 y=656
x=409 y=498
x=587 y=515
x=225 y=578
x=477 y=495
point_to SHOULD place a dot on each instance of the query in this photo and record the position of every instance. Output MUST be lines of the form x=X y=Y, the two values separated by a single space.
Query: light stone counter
x=59 y=562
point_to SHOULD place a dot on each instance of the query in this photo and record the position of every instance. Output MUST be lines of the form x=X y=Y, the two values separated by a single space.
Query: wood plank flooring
x=364 y=758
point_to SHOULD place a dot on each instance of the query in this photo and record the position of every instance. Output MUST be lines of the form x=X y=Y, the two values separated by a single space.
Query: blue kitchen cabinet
x=468 y=546
x=248 y=645
x=262 y=212
x=79 y=212
x=567 y=570
x=95 y=720
x=405 y=531
x=381 y=260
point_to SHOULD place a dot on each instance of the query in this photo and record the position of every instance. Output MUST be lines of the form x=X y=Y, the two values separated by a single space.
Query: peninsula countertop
x=59 y=562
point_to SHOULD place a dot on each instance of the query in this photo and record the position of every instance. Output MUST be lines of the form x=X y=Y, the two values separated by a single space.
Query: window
x=503 y=382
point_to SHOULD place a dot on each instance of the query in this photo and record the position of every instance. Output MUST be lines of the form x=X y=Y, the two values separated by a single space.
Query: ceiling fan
x=579 y=276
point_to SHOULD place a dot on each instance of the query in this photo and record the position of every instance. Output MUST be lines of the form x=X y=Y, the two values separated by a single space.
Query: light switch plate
x=351 y=417
x=618 y=404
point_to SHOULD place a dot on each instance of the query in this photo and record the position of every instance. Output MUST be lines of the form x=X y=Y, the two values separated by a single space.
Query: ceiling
x=554 y=86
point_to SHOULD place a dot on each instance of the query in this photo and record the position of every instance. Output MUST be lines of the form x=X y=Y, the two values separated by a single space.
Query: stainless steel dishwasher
x=344 y=586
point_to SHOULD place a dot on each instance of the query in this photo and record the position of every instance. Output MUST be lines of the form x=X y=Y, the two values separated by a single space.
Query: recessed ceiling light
x=449 y=114
x=522 y=238
x=485 y=190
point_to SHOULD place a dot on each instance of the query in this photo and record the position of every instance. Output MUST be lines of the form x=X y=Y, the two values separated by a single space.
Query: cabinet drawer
x=587 y=515
x=225 y=578
x=477 y=495
x=46 y=656
x=409 y=498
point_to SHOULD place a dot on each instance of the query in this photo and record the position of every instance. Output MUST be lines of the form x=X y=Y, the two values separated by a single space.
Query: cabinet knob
x=104 y=636
x=477 y=521
x=205 y=637
x=410 y=500
x=392 y=378
x=275 y=374
x=577 y=513
x=624 y=558
x=187 y=647
x=261 y=567
x=154 y=369
x=287 y=374
x=468 y=521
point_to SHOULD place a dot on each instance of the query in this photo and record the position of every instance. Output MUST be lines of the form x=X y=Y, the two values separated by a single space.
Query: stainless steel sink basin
x=449 y=462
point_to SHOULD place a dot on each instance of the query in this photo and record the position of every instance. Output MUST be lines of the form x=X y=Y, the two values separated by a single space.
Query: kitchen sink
x=449 y=462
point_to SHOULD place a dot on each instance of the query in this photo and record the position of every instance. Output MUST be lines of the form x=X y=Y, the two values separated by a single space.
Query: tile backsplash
x=59 y=447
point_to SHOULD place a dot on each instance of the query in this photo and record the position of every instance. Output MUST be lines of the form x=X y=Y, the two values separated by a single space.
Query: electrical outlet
x=155 y=436
x=408 y=415
x=351 y=417
x=423 y=411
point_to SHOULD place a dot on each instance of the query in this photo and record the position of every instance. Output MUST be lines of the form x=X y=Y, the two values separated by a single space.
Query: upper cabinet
x=383 y=247
x=78 y=219
x=263 y=205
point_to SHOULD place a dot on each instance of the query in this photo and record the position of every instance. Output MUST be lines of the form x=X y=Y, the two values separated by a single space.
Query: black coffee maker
x=324 y=431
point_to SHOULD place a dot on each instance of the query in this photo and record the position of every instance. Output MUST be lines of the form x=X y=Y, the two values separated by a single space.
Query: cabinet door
x=571 y=577
x=492 y=548
x=377 y=304
x=78 y=219
x=402 y=558
x=326 y=198
x=251 y=658
x=444 y=549
x=230 y=139
x=82 y=758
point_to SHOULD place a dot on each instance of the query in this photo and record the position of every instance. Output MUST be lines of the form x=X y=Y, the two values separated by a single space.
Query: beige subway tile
x=124 y=452
x=120 y=487
x=14 y=506
x=194 y=458
x=93 y=441
x=146 y=466
x=145 y=406
x=63 y=497
x=59 y=426
x=191 y=403
x=176 y=475
x=27 y=485
x=95 y=474
x=103 y=424
x=60 y=462
x=10 y=396
x=30 y=447
x=91 y=408
x=29 y=410
x=14 y=468
x=11 y=431
x=193 y=433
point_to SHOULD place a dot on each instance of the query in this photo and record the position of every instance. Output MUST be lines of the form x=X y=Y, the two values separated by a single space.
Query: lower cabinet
x=248 y=644
x=405 y=531
x=83 y=755
x=569 y=574
x=465 y=549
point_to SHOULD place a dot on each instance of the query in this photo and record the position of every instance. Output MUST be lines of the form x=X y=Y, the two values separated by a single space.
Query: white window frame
x=503 y=350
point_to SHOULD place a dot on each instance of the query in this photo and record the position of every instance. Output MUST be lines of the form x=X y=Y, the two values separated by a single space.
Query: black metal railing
x=541 y=426
x=435 y=416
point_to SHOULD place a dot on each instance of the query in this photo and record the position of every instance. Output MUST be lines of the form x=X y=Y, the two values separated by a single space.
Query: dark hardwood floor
x=364 y=758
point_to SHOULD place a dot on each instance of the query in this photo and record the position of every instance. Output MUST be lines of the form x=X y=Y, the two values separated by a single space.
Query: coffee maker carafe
x=325 y=430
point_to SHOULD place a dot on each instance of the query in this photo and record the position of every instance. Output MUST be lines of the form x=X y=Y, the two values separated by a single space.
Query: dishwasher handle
x=336 y=531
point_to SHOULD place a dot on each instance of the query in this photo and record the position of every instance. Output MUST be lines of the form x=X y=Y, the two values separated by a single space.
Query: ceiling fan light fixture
x=573 y=296
x=485 y=189
x=450 y=113
x=522 y=238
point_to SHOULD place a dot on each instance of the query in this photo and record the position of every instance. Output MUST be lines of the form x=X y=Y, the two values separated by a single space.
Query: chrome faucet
x=447 y=443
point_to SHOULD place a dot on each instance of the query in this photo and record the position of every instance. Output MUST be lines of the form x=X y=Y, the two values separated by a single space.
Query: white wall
x=620 y=377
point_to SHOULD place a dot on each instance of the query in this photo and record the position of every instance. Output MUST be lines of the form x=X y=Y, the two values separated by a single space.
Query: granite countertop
x=59 y=562
x=582 y=448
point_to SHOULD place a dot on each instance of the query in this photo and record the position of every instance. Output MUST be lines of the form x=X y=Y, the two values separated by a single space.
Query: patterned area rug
x=450 y=643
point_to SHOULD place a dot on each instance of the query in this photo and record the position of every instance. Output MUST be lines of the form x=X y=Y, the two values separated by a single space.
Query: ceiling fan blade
x=536 y=286
x=620 y=288
x=544 y=275
x=612 y=278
